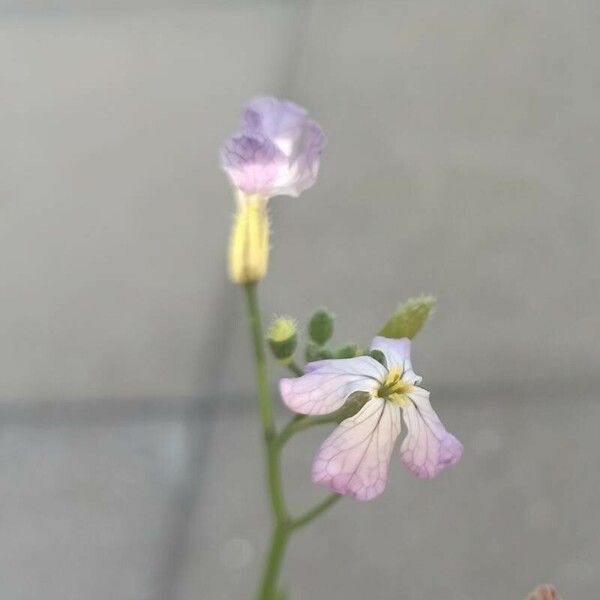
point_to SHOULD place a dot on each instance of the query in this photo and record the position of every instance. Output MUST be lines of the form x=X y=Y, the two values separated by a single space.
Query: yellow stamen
x=394 y=388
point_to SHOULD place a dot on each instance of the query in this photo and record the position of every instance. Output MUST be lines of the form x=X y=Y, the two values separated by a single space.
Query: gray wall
x=462 y=160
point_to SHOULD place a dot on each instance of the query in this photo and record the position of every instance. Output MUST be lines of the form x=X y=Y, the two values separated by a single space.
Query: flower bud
x=315 y=352
x=320 y=327
x=347 y=351
x=409 y=318
x=282 y=338
x=249 y=245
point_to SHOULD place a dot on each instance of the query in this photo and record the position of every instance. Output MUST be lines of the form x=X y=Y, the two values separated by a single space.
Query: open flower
x=277 y=153
x=354 y=459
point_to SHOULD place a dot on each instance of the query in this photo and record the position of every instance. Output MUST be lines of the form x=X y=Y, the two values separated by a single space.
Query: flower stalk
x=283 y=524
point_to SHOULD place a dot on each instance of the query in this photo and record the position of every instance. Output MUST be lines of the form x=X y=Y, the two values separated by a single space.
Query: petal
x=354 y=459
x=278 y=151
x=427 y=448
x=397 y=352
x=253 y=163
x=303 y=167
x=328 y=383
x=279 y=120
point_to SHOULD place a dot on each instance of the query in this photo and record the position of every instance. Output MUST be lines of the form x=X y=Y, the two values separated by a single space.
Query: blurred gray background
x=462 y=160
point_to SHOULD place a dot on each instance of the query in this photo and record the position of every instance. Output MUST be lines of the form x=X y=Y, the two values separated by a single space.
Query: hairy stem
x=283 y=525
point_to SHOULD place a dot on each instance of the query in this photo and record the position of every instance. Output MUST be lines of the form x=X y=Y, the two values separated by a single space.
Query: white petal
x=354 y=459
x=397 y=352
x=328 y=383
x=427 y=448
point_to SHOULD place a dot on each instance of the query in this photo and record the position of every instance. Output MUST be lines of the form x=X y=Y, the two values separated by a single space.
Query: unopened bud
x=320 y=327
x=282 y=338
x=347 y=351
x=315 y=352
x=409 y=318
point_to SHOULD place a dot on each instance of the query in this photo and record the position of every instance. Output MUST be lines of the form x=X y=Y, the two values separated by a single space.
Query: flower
x=277 y=153
x=354 y=459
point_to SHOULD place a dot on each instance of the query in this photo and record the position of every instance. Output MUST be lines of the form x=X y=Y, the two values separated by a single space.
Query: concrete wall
x=462 y=160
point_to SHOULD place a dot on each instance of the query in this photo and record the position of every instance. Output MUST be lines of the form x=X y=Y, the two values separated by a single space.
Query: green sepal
x=409 y=318
x=379 y=356
x=320 y=326
x=354 y=403
x=314 y=352
x=347 y=351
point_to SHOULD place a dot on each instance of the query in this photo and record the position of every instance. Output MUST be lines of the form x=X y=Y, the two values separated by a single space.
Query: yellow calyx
x=249 y=244
x=393 y=388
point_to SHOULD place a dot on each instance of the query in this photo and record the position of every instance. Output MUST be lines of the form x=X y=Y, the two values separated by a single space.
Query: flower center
x=393 y=388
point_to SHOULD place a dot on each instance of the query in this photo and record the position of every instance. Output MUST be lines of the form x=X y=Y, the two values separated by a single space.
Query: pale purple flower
x=354 y=459
x=277 y=152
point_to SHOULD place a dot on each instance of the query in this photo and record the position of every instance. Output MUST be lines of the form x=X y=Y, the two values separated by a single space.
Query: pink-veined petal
x=427 y=448
x=354 y=459
x=327 y=384
x=397 y=352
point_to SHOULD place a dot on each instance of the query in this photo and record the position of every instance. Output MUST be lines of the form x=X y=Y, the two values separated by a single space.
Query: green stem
x=266 y=409
x=283 y=525
x=274 y=561
x=294 y=368
x=314 y=512
x=302 y=422
x=281 y=530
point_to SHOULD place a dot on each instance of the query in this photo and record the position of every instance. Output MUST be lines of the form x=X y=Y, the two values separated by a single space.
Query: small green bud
x=314 y=352
x=282 y=338
x=320 y=327
x=347 y=351
x=409 y=318
x=378 y=355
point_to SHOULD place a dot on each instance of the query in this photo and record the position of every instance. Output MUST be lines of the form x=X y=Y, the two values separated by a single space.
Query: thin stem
x=281 y=530
x=283 y=526
x=314 y=512
x=266 y=409
x=298 y=424
x=294 y=368
x=302 y=422
x=268 y=585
